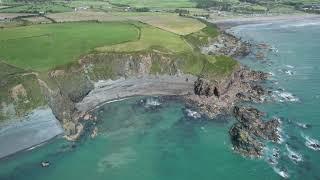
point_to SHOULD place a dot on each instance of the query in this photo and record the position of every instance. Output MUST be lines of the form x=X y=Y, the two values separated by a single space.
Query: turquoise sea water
x=163 y=143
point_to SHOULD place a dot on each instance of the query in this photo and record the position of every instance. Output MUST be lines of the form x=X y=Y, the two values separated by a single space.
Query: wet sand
x=38 y=127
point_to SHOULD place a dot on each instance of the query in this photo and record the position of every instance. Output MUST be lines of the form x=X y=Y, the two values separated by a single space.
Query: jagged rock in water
x=214 y=97
x=243 y=142
x=247 y=132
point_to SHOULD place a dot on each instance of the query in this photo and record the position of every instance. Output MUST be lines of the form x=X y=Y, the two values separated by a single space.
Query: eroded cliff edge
x=208 y=79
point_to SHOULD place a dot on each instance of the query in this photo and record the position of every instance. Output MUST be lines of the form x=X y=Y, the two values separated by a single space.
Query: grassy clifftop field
x=42 y=47
x=110 y=45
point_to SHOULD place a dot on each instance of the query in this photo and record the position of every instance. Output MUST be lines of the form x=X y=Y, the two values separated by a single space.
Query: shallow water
x=156 y=143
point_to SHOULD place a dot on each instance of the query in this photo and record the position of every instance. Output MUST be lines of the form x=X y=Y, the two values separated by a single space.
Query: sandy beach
x=228 y=23
x=105 y=91
x=38 y=127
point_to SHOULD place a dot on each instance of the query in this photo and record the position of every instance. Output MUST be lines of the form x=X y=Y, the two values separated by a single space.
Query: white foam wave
x=301 y=24
x=312 y=143
x=36 y=146
x=193 y=114
x=280 y=132
x=302 y=125
x=274 y=49
x=284 y=97
x=272 y=155
x=271 y=73
x=290 y=73
x=152 y=102
x=289 y=66
x=282 y=173
x=294 y=156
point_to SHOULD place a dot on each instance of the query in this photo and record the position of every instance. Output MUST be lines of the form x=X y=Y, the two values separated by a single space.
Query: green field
x=156 y=3
x=170 y=22
x=42 y=47
x=37 y=7
x=150 y=37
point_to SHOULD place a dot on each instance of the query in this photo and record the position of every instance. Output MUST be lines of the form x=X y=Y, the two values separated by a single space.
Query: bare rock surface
x=249 y=131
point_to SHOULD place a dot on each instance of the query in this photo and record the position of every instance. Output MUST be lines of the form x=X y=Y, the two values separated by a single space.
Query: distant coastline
x=237 y=21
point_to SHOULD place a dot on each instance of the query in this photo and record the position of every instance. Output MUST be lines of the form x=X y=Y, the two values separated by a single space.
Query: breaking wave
x=282 y=172
x=152 y=102
x=303 y=125
x=290 y=73
x=312 y=143
x=284 y=97
x=272 y=156
x=289 y=66
x=193 y=114
x=294 y=156
x=301 y=24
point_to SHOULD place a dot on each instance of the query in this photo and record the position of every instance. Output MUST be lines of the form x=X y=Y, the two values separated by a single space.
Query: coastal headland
x=147 y=57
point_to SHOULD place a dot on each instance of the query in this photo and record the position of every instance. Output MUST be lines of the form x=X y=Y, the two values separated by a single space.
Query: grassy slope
x=167 y=21
x=171 y=22
x=10 y=77
x=85 y=16
x=150 y=37
x=42 y=47
x=202 y=37
x=64 y=43
x=183 y=49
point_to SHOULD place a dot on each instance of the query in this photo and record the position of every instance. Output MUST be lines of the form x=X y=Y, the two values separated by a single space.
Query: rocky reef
x=217 y=97
x=248 y=133
x=213 y=98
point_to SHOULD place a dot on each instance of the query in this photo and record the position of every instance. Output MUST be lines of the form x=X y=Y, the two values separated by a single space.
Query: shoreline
x=225 y=24
x=37 y=128
x=152 y=85
x=164 y=85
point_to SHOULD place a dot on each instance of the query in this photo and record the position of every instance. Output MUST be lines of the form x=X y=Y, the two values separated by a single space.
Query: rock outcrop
x=63 y=108
x=217 y=97
x=228 y=45
x=250 y=130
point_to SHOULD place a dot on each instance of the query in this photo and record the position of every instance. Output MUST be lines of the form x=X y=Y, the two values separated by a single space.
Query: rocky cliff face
x=73 y=83
x=216 y=97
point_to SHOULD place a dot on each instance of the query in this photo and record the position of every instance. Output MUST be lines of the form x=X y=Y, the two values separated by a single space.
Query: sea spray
x=294 y=156
x=311 y=143
x=284 y=96
x=193 y=114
